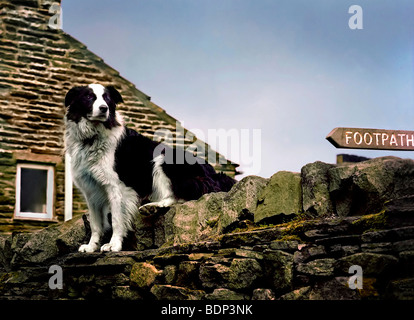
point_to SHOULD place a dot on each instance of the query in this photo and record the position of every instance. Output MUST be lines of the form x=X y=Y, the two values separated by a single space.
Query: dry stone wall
x=215 y=249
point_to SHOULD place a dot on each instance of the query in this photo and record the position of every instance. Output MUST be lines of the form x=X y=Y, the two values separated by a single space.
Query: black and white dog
x=118 y=170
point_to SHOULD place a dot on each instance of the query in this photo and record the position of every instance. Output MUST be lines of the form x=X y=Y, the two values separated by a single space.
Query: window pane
x=33 y=190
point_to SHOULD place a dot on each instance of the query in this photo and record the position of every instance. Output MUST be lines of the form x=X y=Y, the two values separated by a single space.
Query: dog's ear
x=115 y=95
x=71 y=95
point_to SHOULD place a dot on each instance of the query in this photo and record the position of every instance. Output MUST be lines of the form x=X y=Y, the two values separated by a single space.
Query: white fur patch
x=99 y=91
x=93 y=173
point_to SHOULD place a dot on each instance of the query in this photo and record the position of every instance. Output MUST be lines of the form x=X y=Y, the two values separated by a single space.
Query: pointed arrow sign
x=358 y=138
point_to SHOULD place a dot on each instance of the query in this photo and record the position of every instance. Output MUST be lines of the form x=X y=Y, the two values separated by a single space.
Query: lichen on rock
x=217 y=248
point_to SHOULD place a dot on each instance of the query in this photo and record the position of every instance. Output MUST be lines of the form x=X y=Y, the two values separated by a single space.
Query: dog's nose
x=103 y=108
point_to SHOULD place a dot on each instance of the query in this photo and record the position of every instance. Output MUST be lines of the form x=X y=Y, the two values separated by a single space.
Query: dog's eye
x=89 y=96
x=106 y=97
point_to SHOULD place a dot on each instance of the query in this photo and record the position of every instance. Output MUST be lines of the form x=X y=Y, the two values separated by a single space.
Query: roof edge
x=160 y=112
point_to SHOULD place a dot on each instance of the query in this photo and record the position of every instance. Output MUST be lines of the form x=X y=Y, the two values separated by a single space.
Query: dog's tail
x=224 y=182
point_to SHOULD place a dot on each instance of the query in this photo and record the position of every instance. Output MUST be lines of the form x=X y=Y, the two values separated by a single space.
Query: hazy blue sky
x=291 y=68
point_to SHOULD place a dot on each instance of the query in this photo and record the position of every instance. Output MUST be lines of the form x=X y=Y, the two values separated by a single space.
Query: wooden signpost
x=357 y=138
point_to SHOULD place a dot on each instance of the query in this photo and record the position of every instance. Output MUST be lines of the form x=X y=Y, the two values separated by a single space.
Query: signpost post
x=377 y=139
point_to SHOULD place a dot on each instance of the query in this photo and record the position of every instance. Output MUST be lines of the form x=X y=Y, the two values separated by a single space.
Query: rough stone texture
x=278 y=267
x=244 y=269
x=333 y=289
x=212 y=275
x=371 y=263
x=319 y=267
x=211 y=214
x=5 y=253
x=315 y=188
x=143 y=275
x=402 y=289
x=243 y=274
x=187 y=274
x=307 y=258
x=282 y=195
x=355 y=188
x=225 y=294
x=196 y=219
x=363 y=188
x=167 y=292
x=298 y=294
x=50 y=242
x=263 y=294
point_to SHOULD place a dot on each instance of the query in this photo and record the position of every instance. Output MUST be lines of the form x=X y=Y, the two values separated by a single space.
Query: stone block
x=213 y=276
x=243 y=273
x=401 y=289
x=319 y=268
x=371 y=263
x=281 y=196
x=210 y=215
x=125 y=293
x=225 y=294
x=188 y=274
x=363 y=188
x=143 y=275
x=263 y=294
x=168 y=292
x=278 y=269
x=315 y=188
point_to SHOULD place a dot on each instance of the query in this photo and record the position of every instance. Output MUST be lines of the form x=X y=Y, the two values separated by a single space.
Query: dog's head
x=94 y=102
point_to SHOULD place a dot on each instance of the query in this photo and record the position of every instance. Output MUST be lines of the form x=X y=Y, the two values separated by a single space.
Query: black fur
x=134 y=154
x=189 y=181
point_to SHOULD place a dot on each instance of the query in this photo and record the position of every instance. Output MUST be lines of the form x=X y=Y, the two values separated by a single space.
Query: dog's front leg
x=115 y=244
x=118 y=225
x=96 y=231
x=93 y=244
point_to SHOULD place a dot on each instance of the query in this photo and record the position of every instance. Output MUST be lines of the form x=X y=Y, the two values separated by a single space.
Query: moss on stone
x=369 y=290
x=212 y=223
x=297 y=226
x=290 y=237
x=372 y=222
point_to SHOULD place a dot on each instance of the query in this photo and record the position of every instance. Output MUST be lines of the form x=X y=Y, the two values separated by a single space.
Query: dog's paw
x=166 y=203
x=148 y=209
x=114 y=247
x=153 y=209
x=87 y=248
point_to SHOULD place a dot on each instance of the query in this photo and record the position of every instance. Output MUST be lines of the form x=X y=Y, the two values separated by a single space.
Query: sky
x=274 y=76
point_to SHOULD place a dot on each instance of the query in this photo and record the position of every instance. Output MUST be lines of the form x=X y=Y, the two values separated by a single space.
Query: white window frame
x=50 y=190
x=68 y=187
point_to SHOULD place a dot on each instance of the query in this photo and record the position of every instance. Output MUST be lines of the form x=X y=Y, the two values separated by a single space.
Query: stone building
x=38 y=65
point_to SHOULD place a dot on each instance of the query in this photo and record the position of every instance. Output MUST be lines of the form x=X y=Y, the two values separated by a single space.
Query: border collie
x=118 y=170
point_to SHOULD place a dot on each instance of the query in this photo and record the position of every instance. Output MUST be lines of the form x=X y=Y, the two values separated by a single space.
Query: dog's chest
x=92 y=150
x=96 y=160
x=94 y=164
